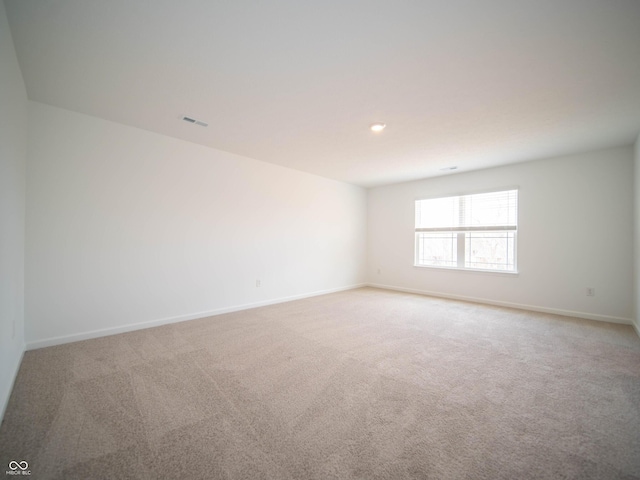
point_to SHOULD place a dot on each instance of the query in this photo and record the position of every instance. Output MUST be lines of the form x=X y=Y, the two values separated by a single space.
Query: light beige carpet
x=366 y=384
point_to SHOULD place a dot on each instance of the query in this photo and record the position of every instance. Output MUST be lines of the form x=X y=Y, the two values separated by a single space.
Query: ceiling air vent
x=193 y=120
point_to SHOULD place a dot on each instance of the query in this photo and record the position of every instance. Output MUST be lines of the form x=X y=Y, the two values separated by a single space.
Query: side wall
x=127 y=228
x=575 y=231
x=636 y=217
x=13 y=156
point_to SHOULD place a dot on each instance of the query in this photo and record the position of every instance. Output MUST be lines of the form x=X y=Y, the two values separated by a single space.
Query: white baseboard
x=7 y=394
x=520 y=306
x=49 y=342
x=636 y=328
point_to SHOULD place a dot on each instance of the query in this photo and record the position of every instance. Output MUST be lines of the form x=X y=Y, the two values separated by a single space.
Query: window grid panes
x=439 y=249
x=490 y=251
x=468 y=232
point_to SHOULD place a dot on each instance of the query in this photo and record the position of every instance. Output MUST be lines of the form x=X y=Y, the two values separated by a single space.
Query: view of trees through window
x=469 y=231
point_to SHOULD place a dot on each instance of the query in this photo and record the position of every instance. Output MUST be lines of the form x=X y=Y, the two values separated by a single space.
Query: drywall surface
x=636 y=218
x=575 y=231
x=13 y=157
x=127 y=228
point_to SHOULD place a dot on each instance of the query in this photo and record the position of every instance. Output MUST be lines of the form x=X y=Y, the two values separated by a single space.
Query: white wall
x=575 y=231
x=636 y=216
x=13 y=155
x=126 y=226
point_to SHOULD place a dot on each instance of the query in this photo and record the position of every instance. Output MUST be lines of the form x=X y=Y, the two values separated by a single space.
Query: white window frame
x=462 y=231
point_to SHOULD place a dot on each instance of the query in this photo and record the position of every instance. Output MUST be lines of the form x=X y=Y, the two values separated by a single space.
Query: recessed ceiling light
x=377 y=127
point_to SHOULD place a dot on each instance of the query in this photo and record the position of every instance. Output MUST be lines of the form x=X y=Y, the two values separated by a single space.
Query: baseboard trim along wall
x=49 y=342
x=5 y=399
x=519 y=306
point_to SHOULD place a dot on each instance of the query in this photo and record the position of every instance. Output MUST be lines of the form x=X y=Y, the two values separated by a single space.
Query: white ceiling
x=297 y=82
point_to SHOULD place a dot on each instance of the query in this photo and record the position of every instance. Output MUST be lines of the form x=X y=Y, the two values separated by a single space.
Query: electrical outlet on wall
x=258 y=283
x=591 y=292
x=379 y=271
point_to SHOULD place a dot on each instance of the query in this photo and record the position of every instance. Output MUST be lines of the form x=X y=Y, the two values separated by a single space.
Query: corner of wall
x=13 y=161
x=636 y=242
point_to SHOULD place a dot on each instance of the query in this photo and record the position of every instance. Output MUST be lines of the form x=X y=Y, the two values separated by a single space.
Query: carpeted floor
x=366 y=384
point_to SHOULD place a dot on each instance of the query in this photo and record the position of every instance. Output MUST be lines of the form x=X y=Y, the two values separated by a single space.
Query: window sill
x=471 y=270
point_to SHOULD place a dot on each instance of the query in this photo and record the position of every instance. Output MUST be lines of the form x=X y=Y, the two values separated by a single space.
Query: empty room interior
x=320 y=240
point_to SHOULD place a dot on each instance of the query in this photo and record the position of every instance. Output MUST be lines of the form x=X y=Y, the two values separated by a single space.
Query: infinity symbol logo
x=23 y=465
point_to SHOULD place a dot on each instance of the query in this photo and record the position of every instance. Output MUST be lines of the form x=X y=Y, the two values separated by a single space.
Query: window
x=476 y=232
